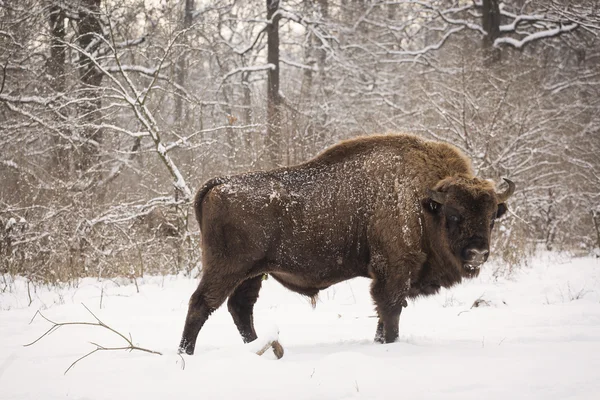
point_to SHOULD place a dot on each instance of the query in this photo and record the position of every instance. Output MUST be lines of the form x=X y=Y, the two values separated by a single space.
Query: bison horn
x=438 y=197
x=503 y=196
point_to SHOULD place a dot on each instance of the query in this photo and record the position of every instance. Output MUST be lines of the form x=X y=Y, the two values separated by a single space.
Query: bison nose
x=476 y=256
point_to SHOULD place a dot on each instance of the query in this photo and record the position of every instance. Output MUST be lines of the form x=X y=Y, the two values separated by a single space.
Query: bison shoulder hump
x=361 y=145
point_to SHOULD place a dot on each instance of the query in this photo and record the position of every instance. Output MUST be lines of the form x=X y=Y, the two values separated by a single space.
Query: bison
x=406 y=212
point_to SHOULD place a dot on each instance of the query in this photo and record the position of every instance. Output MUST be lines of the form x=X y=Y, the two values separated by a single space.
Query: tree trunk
x=304 y=127
x=273 y=138
x=490 y=15
x=56 y=71
x=247 y=91
x=90 y=79
x=596 y=219
x=181 y=72
x=248 y=114
x=56 y=62
x=321 y=60
x=232 y=150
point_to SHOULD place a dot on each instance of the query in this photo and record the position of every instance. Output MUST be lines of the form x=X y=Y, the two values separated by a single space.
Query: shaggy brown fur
x=366 y=207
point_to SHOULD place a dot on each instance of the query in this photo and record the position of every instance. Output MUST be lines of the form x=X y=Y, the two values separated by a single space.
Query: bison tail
x=202 y=192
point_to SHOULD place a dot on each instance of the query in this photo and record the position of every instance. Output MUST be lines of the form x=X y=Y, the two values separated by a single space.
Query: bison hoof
x=185 y=347
x=189 y=352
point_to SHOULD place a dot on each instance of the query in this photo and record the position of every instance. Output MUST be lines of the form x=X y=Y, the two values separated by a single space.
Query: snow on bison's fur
x=405 y=212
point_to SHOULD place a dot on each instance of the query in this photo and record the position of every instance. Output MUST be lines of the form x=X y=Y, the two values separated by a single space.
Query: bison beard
x=406 y=212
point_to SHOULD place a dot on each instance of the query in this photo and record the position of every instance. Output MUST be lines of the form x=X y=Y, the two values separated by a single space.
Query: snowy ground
x=538 y=339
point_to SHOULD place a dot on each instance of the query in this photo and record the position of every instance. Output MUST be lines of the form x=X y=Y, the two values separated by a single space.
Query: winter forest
x=113 y=113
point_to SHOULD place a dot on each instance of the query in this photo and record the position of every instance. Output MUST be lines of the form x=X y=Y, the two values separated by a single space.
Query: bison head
x=462 y=212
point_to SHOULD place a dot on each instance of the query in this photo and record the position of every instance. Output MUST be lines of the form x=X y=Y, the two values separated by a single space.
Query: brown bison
x=406 y=212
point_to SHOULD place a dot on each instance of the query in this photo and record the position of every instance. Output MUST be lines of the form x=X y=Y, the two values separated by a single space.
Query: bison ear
x=431 y=206
x=502 y=208
x=434 y=200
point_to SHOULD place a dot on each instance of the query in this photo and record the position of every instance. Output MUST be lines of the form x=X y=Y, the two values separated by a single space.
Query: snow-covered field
x=539 y=338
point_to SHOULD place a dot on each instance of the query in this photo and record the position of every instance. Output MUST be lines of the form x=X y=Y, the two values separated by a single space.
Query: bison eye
x=501 y=210
x=452 y=215
x=454 y=218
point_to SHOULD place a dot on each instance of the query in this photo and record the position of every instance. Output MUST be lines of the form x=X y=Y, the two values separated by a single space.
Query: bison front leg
x=389 y=297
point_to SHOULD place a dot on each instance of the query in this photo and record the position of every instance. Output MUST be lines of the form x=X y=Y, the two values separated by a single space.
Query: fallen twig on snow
x=55 y=325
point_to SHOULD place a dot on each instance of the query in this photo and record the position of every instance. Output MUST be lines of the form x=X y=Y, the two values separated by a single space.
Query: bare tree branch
x=56 y=325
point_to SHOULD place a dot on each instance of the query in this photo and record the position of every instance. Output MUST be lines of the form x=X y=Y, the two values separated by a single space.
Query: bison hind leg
x=213 y=290
x=379 y=338
x=241 y=307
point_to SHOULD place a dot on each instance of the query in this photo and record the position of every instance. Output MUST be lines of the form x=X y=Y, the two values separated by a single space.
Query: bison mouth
x=471 y=270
